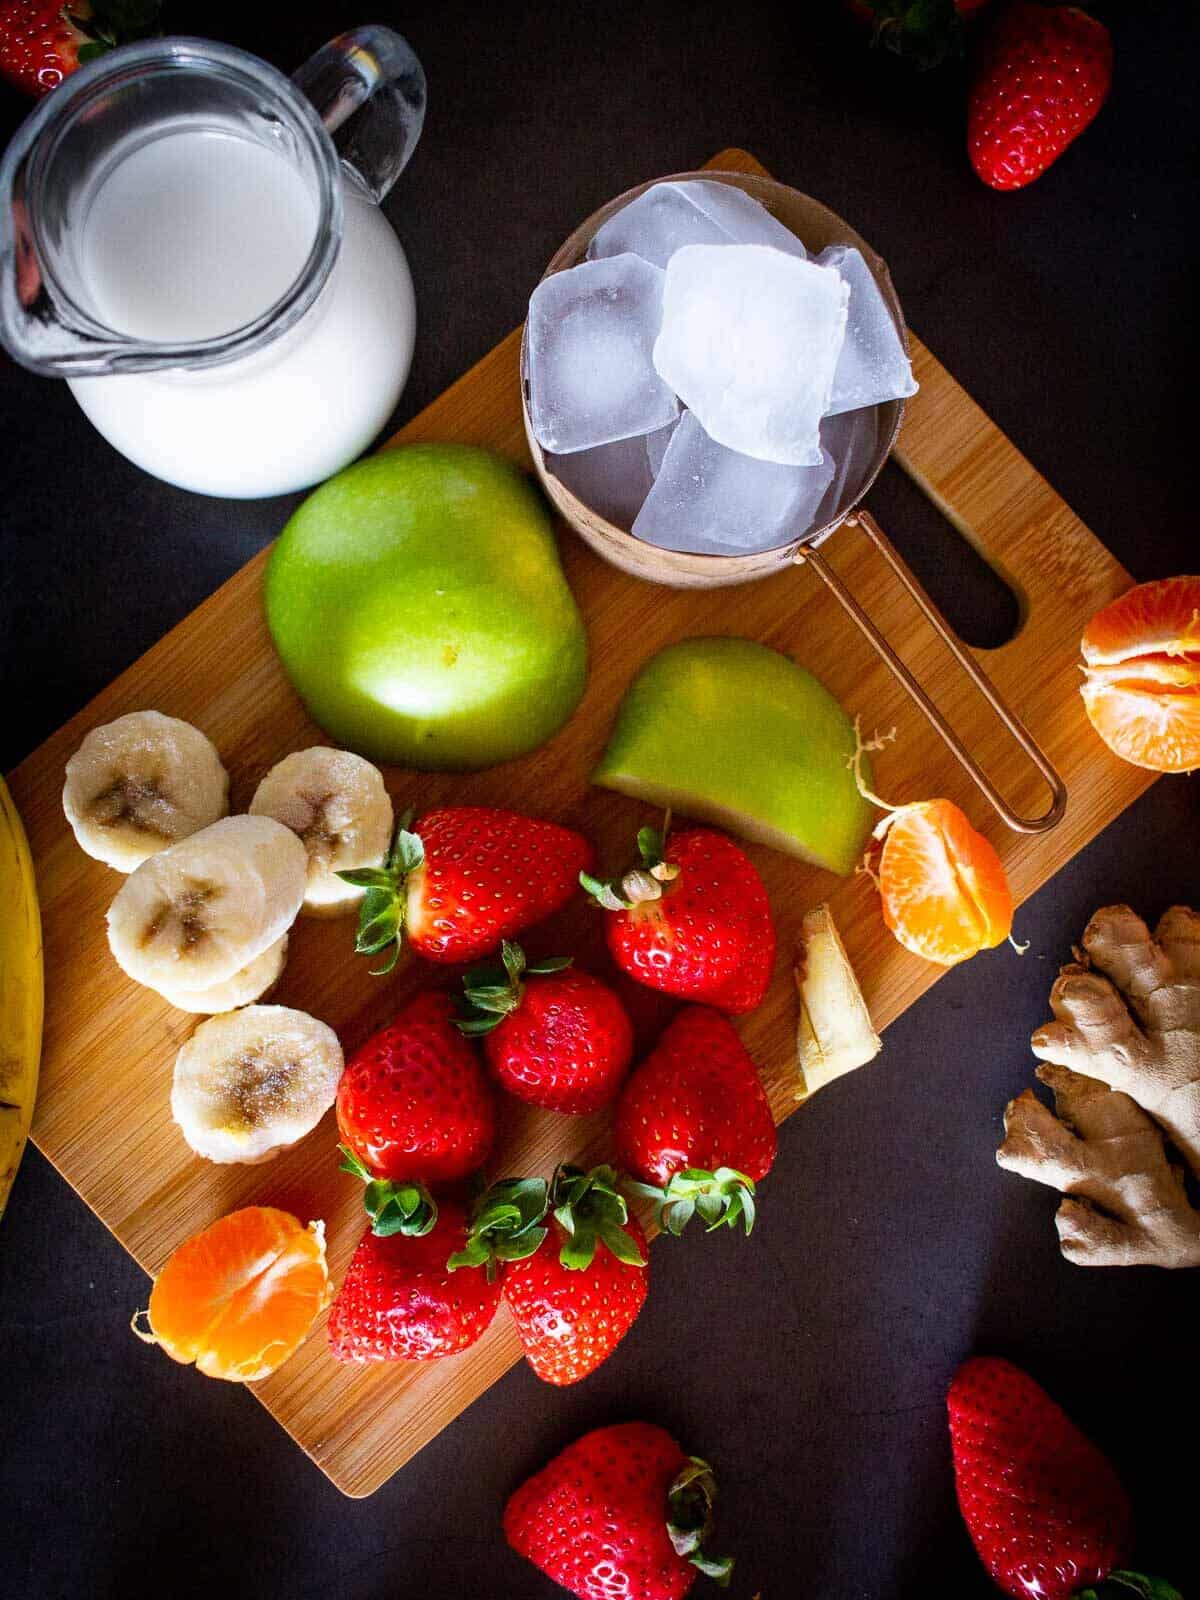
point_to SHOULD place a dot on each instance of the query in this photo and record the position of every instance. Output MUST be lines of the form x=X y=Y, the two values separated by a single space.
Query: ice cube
x=610 y=479
x=750 y=340
x=713 y=501
x=656 y=446
x=696 y=211
x=850 y=439
x=590 y=342
x=872 y=367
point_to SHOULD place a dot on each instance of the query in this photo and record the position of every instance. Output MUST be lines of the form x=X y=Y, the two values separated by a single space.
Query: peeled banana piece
x=335 y=802
x=195 y=914
x=249 y=984
x=142 y=783
x=250 y=1083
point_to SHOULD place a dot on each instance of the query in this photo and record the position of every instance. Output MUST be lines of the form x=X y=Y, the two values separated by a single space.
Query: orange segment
x=1149 y=724
x=240 y=1296
x=944 y=890
x=1141 y=686
x=1160 y=617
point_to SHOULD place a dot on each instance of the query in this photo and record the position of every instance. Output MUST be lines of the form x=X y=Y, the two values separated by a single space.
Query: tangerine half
x=944 y=890
x=1141 y=687
x=239 y=1297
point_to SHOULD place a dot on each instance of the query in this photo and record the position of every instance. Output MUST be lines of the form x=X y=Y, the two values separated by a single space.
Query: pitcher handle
x=369 y=90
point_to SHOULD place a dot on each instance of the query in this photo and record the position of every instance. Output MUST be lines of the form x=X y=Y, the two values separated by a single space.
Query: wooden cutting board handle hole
x=863 y=521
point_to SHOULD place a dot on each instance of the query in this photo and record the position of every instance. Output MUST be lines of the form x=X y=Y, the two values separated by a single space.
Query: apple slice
x=730 y=732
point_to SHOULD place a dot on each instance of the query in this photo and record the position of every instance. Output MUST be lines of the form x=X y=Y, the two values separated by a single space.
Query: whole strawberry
x=693 y=920
x=1044 y=1508
x=553 y=1036
x=414 y=1103
x=464 y=878
x=1044 y=74
x=577 y=1295
x=400 y=1302
x=694 y=1126
x=42 y=43
x=622 y=1511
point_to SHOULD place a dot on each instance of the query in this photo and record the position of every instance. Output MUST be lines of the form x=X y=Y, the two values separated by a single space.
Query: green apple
x=731 y=732
x=419 y=608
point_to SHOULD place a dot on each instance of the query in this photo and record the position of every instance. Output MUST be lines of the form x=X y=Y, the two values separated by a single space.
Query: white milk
x=196 y=233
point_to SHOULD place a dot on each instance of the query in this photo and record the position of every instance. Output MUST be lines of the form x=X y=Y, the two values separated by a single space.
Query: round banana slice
x=249 y=1083
x=251 y=983
x=142 y=783
x=192 y=916
x=335 y=801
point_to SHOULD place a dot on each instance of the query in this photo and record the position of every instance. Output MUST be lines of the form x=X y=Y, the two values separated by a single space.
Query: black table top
x=811 y=1362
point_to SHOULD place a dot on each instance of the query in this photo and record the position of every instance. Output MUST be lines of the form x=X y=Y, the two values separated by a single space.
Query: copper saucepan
x=817 y=227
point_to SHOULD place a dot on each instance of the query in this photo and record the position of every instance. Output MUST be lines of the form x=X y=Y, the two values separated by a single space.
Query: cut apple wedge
x=835 y=1034
x=730 y=732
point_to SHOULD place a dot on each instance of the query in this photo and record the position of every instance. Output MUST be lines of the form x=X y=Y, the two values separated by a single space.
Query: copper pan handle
x=812 y=557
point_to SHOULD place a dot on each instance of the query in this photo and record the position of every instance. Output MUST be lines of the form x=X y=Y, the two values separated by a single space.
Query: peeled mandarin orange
x=944 y=890
x=1141 y=687
x=240 y=1296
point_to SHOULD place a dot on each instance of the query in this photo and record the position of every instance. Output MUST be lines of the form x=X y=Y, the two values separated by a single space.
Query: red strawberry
x=694 y=1125
x=399 y=1301
x=414 y=1103
x=41 y=44
x=572 y=1301
x=465 y=878
x=1045 y=1510
x=621 y=1511
x=1043 y=76
x=692 y=920
x=553 y=1036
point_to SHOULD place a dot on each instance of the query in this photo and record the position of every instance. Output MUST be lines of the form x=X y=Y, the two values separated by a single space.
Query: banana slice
x=192 y=916
x=249 y=1083
x=251 y=983
x=142 y=783
x=335 y=801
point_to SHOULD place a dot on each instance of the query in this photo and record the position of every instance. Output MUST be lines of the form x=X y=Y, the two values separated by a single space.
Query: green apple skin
x=419 y=607
x=731 y=732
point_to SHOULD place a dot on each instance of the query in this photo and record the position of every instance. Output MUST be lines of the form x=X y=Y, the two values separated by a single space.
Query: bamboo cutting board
x=103 y=1116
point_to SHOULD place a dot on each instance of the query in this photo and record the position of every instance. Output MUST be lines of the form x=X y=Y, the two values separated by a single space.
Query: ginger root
x=1123 y=1060
x=835 y=1032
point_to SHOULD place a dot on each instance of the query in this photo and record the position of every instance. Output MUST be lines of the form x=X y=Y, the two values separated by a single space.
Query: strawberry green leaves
x=1122 y=1585
x=509 y=1221
x=721 y=1199
x=381 y=915
x=689 y=1519
x=109 y=23
x=591 y=1210
x=493 y=993
x=506 y=1225
x=406 y=1208
x=641 y=883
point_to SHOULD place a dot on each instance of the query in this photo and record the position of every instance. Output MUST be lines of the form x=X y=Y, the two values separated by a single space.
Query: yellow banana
x=20 y=992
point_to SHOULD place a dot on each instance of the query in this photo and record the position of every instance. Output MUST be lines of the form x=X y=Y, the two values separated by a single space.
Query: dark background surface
x=811 y=1363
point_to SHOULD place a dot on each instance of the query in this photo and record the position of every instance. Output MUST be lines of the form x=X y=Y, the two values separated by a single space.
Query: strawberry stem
x=689 y=1519
x=721 y=1199
x=640 y=884
x=493 y=993
x=507 y=1224
x=381 y=915
x=1120 y=1584
x=393 y=1207
x=591 y=1210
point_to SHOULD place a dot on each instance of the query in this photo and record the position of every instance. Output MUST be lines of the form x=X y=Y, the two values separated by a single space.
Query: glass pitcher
x=195 y=242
